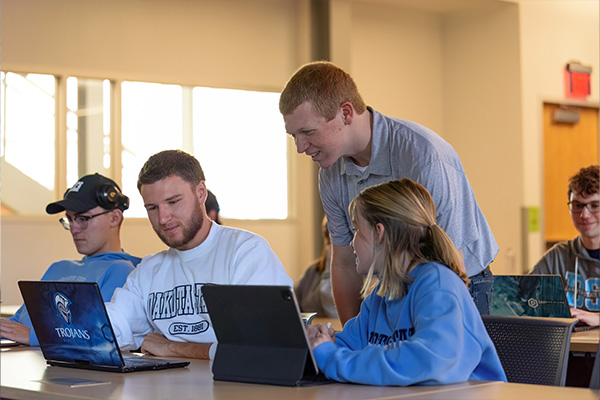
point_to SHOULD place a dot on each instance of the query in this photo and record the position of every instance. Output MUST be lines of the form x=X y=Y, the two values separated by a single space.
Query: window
x=238 y=136
x=88 y=128
x=151 y=121
x=28 y=141
x=227 y=130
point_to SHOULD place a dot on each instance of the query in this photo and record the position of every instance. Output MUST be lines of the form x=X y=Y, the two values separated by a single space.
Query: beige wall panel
x=396 y=60
x=553 y=32
x=482 y=115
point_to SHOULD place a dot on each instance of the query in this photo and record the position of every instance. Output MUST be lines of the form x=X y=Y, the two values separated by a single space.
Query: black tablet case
x=261 y=335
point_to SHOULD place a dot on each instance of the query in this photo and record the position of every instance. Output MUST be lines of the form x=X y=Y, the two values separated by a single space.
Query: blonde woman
x=419 y=325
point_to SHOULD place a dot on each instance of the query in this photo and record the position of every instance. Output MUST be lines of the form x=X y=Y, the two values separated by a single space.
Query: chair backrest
x=532 y=350
x=595 y=379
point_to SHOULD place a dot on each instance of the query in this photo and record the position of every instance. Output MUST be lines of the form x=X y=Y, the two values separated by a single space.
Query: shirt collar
x=380 y=163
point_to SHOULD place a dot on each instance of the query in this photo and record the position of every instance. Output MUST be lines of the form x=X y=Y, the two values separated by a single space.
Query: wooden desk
x=24 y=374
x=335 y=323
x=7 y=311
x=585 y=340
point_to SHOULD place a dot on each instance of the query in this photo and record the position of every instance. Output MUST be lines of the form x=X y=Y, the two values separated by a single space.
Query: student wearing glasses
x=576 y=260
x=93 y=215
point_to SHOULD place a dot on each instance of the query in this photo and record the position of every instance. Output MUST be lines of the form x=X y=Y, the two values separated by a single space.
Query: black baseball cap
x=211 y=202
x=83 y=196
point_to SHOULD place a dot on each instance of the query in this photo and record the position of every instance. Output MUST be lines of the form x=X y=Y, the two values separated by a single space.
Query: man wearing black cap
x=93 y=214
x=212 y=207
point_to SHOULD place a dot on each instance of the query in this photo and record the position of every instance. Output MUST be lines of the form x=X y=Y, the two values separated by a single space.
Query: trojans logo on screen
x=62 y=304
x=62 y=307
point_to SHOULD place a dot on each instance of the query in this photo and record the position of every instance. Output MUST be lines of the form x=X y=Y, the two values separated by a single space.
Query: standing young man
x=93 y=215
x=161 y=307
x=356 y=147
x=577 y=260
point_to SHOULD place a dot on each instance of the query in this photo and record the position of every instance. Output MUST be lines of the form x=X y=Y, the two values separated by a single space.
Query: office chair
x=532 y=350
x=595 y=379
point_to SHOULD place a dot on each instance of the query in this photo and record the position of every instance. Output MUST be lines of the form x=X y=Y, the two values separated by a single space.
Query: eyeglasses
x=80 y=220
x=577 y=207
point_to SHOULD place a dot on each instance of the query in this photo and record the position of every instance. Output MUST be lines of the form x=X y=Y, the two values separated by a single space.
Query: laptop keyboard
x=138 y=361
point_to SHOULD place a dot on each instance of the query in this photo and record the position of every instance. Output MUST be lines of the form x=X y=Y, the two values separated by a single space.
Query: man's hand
x=318 y=334
x=14 y=331
x=345 y=282
x=587 y=317
x=156 y=344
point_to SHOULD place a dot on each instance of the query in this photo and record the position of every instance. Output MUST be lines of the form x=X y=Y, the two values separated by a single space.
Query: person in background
x=577 y=260
x=357 y=147
x=419 y=325
x=93 y=215
x=212 y=207
x=313 y=291
x=161 y=307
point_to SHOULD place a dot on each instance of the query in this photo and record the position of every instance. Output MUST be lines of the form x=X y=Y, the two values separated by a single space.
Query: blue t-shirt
x=432 y=335
x=109 y=270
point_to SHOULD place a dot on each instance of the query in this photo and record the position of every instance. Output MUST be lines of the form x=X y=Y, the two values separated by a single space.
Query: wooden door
x=567 y=148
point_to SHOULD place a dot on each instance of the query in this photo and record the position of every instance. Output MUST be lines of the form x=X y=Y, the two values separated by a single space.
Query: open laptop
x=8 y=343
x=73 y=328
x=531 y=295
x=261 y=336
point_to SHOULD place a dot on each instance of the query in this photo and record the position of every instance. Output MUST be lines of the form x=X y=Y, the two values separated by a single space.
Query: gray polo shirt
x=404 y=149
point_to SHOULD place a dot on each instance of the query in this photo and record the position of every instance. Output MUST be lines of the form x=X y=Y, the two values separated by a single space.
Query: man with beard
x=160 y=307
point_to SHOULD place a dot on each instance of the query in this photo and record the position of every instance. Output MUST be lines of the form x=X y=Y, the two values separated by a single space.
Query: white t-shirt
x=163 y=293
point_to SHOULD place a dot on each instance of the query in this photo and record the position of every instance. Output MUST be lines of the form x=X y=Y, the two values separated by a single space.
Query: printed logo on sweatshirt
x=588 y=292
x=178 y=328
x=181 y=300
x=391 y=341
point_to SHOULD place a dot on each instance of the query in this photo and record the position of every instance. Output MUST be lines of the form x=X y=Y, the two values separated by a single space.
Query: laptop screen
x=529 y=295
x=70 y=322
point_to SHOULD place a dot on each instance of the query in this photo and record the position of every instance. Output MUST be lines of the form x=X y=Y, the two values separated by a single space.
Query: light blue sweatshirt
x=109 y=270
x=432 y=335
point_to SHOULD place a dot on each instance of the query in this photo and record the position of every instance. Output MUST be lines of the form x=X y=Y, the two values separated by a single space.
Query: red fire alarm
x=577 y=80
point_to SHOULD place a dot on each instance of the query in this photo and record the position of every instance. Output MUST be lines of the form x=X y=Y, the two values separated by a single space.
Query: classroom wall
x=474 y=74
x=254 y=45
x=459 y=74
x=234 y=43
x=552 y=34
x=482 y=116
x=397 y=61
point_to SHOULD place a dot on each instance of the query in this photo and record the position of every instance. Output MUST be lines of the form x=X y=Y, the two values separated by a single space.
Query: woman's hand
x=318 y=334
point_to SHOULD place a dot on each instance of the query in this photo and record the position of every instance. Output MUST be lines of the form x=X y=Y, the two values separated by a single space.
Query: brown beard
x=190 y=229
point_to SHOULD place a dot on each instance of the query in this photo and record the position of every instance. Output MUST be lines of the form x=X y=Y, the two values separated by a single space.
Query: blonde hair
x=411 y=235
x=325 y=85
